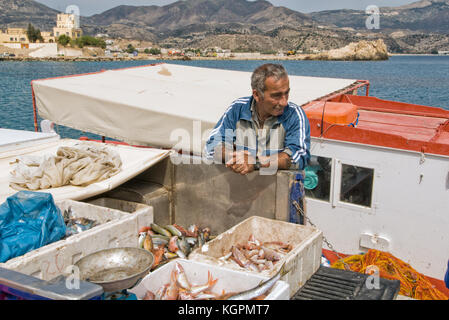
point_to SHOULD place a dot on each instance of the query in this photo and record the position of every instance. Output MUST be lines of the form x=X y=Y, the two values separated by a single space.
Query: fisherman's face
x=275 y=97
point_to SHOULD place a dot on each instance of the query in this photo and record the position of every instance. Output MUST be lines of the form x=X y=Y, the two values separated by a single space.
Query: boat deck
x=392 y=124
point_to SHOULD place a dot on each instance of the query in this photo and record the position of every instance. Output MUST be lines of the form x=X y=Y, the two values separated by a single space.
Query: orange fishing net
x=413 y=283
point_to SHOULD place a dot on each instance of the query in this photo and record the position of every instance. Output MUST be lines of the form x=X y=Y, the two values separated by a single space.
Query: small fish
x=148 y=243
x=149 y=296
x=173 y=244
x=261 y=267
x=191 y=241
x=173 y=230
x=161 y=292
x=144 y=229
x=160 y=236
x=252 y=253
x=260 y=289
x=158 y=242
x=278 y=244
x=258 y=261
x=209 y=284
x=239 y=257
x=270 y=254
x=160 y=264
x=157 y=254
x=206 y=234
x=181 y=254
x=200 y=239
x=226 y=257
x=183 y=246
x=160 y=230
x=182 y=277
x=142 y=237
x=181 y=229
x=172 y=290
x=192 y=230
x=170 y=255
x=185 y=295
x=269 y=264
x=205 y=296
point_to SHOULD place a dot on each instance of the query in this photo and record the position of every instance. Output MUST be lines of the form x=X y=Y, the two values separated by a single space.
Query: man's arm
x=239 y=161
x=297 y=138
x=281 y=161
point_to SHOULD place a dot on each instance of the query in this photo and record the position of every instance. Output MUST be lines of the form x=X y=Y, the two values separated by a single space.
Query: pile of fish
x=76 y=225
x=257 y=256
x=180 y=288
x=171 y=241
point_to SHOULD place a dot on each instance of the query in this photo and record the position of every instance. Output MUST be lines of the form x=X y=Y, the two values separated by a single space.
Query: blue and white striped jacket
x=289 y=133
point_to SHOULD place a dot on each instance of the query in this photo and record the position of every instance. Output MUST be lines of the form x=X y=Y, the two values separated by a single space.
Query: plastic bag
x=28 y=220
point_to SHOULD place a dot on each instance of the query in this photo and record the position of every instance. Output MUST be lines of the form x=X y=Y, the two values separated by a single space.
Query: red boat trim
x=355 y=86
x=391 y=124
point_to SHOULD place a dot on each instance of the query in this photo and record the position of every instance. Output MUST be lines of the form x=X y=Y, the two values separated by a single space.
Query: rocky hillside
x=182 y=14
x=243 y=25
x=425 y=16
x=18 y=13
x=193 y=17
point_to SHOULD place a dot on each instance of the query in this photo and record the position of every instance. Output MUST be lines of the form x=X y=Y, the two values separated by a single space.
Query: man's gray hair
x=263 y=72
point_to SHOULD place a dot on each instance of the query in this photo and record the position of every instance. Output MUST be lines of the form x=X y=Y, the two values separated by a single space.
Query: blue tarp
x=28 y=220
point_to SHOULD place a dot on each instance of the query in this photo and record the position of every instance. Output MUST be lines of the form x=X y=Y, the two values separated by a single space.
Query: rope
x=413 y=283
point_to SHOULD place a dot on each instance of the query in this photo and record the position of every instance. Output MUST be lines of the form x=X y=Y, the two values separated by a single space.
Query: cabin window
x=318 y=178
x=356 y=185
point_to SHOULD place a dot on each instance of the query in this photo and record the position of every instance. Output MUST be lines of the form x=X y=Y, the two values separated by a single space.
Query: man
x=264 y=130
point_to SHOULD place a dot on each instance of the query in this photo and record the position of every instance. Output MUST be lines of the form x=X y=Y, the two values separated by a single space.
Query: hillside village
x=112 y=35
x=16 y=43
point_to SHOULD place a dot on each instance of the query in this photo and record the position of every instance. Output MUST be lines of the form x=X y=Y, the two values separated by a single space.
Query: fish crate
x=300 y=263
x=124 y=206
x=197 y=274
x=116 y=229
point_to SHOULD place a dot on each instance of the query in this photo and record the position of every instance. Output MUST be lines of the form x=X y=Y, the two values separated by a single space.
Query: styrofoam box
x=117 y=229
x=197 y=273
x=125 y=206
x=300 y=263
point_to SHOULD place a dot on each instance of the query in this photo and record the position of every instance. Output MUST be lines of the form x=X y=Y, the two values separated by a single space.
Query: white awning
x=157 y=104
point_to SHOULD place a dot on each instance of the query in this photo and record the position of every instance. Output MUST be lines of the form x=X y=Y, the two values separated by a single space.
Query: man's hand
x=241 y=162
x=278 y=161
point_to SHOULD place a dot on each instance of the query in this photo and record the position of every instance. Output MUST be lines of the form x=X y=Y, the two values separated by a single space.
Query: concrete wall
x=44 y=50
x=67 y=52
x=12 y=45
x=207 y=195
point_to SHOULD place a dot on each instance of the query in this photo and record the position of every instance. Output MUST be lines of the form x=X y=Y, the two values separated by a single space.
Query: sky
x=90 y=7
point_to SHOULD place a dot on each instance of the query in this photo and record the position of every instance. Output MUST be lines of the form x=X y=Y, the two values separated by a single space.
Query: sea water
x=420 y=80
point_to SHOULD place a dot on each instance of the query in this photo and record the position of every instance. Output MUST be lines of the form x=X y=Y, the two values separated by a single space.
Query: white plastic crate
x=300 y=263
x=125 y=206
x=117 y=229
x=197 y=273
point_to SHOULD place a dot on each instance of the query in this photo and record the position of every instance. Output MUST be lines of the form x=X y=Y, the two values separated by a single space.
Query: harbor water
x=414 y=79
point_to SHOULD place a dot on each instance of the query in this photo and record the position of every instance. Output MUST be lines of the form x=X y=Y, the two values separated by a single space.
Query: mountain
x=18 y=13
x=243 y=25
x=183 y=17
x=423 y=16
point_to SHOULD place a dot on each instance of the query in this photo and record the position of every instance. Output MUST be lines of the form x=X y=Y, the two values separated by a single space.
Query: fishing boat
x=379 y=169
